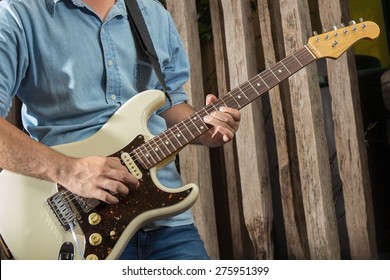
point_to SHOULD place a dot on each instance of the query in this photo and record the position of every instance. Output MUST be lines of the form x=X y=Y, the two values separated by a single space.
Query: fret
x=279 y=71
x=274 y=74
x=254 y=91
x=285 y=67
x=191 y=136
x=297 y=60
x=193 y=120
x=236 y=100
x=139 y=158
x=244 y=93
x=168 y=143
x=258 y=86
x=148 y=152
x=264 y=81
x=177 y=139
x=160 y=148
x=148 y=163
x=203 y=126
x=219 y=103
x=213 y=105
x=270 y=78
x=179 y=134
x=224 y=103
x=229 y=100
x=203 y=112
x=195 y=125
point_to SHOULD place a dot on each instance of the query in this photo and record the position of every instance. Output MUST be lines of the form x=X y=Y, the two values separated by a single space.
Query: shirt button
x=110 y=62
x=113 y=97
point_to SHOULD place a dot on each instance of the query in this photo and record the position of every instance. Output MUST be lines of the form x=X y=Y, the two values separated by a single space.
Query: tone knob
x=92 y=257
x=95 y=239
x=94 y=219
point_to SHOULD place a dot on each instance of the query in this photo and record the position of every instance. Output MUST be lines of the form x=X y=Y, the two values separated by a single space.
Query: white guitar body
x=28 y=225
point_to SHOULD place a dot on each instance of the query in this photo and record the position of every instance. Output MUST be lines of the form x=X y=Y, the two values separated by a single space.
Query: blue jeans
x=168 y=243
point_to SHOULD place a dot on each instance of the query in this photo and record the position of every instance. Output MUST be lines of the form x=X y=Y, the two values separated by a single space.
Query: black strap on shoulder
x=142 y=33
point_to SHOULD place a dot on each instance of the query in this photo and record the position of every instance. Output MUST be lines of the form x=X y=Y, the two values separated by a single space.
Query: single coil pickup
x=131 y=165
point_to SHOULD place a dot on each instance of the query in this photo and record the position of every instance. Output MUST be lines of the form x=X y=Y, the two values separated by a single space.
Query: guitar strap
x=136 y=19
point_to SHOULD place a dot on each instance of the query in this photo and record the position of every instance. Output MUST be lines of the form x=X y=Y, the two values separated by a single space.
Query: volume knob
x=91 y=257
x=94 y=219
x=95 y=239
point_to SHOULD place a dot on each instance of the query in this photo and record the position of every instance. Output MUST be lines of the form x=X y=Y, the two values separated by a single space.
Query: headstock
x=334 y=43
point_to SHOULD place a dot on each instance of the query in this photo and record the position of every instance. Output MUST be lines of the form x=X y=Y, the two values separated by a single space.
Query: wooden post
x=310 y=137
x=195 y=160
x=350 y=144
x=291 y=194
x=230 y=160
x=250 y=139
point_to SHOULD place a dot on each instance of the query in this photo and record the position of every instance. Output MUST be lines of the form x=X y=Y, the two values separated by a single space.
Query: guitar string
x=243 y=88
x=225 y=100
x=295 y=57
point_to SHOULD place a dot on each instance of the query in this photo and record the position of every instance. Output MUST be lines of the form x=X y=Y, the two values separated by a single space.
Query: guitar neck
x=172 y=140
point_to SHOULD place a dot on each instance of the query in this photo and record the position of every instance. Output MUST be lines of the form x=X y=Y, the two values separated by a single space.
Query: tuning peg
x=352 y=22
x=363 y=24
x=345 y=29
x=315 y=33
x=334 y=28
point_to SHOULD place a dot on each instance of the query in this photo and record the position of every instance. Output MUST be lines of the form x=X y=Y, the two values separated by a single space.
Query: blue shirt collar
x=120 y=4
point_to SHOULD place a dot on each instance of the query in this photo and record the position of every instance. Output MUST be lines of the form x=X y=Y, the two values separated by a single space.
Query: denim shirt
x=72 y=70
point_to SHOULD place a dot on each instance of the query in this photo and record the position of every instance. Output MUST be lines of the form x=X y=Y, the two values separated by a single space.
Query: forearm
x=93 y=176
x=21 y=154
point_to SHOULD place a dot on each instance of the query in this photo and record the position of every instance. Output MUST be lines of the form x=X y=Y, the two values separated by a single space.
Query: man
x=73 y=63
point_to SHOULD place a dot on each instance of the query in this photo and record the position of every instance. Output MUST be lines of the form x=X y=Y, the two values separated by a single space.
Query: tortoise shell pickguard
x=114 y=219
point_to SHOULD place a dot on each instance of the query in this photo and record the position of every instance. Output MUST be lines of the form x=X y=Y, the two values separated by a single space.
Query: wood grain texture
x=350 y=144
x=251 y=147
x=310 y=138
x=291 y=194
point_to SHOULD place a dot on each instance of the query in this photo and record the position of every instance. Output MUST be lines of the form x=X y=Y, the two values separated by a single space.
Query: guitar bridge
x=61 y=206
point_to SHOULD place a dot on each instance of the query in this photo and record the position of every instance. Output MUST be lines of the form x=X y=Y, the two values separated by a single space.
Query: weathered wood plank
x=230 y=160
x=251 y=147
x=310 y=136
x=291 y=194
x=350 y=143
x=195 y=160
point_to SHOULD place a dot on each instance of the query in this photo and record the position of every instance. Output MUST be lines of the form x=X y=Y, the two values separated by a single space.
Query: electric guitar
x=41 y=220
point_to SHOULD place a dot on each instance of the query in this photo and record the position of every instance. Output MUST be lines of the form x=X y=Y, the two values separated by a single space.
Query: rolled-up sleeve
x=176 y=70
x=13 y=56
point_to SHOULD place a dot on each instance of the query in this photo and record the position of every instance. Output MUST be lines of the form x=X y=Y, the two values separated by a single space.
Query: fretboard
x=172 y=140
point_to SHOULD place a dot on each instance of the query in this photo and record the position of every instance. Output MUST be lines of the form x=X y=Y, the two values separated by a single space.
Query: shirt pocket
x=145 y=78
